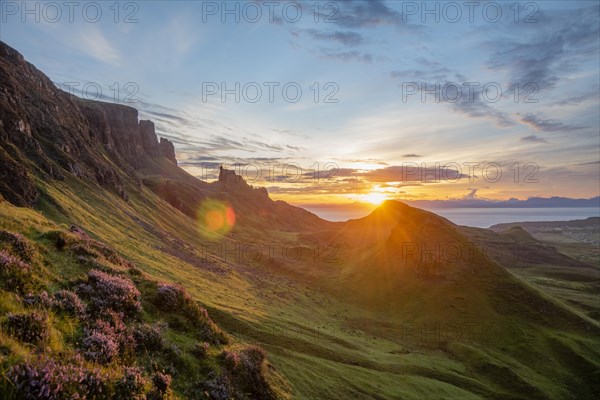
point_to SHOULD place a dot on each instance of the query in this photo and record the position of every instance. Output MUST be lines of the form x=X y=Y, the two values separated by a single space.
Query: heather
x=69 y=302
x=107 y=332
x=148 y=338
x=49 y=379
x=30 y=327
x=246 y=368
x=19 y=246
x=16 y=275
x=175 y=300
x=106 y=291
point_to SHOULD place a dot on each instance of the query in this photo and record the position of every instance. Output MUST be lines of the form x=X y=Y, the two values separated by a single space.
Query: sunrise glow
x=375 y=198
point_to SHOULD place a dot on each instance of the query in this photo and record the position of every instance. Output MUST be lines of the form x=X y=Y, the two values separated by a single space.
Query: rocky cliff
x=118 y=129
x=46 y=133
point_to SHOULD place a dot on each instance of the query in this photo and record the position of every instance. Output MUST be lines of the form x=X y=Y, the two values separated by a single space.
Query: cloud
x=182 y=128
x=465 y=100
x=591 y=95
x=346 y=38
x=471 y=195
x=92 y=42
x=351 y=16
x=411 y=172
x=428 y=63
x=339 y=172
x=533 y=139
x=547 y=125
x=362 y=160
x=477 y=107
x=232 y=162
x=590 y=163
x=437 y=74
x=412 y=156
x=325 y=187
x=428 y=70
x=346 y=56
x=167 y=117
x=181 y=32
x=367 y=14
x=295 y=148
x=544 y=55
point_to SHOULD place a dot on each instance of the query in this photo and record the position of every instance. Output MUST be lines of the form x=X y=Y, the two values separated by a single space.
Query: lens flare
x=216 y=218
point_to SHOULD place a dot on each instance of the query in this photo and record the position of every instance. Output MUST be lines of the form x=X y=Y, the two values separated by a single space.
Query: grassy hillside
x=472 y=338
x=78 y=319
x=579 y=239
x=559 y=265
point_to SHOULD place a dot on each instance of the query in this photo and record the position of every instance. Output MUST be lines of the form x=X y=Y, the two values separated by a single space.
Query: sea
x=481 y=217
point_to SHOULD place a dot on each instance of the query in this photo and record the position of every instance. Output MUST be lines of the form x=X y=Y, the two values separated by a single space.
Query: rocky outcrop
x=167 y=150
x=99 y=121
x=118 y=128
x=227 y=176
x=49 y=133
x=234 y=183
x=149 y=140
x=124 y=129
x=15 y=183
x=152 y=146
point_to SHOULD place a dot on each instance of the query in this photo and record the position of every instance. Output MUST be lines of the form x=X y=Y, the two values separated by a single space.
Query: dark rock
x=149 y=140
x=118 y=128
x=168 y=150
x=229 y=177
x=151 y=144
x=100 y=128
x=49 y=133
x=15 y=184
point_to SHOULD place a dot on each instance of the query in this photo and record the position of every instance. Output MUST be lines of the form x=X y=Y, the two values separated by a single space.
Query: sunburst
x=375 y=198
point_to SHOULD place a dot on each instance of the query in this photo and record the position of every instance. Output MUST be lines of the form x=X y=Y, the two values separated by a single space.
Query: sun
x=375 y=198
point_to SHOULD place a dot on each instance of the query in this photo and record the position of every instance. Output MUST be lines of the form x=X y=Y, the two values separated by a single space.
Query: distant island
x=532 y=202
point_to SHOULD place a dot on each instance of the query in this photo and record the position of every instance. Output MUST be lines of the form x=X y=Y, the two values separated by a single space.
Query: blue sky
x=373 y=57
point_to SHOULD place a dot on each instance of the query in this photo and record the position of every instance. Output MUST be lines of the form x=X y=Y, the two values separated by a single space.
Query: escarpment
x=118 y=129
x=47 y=133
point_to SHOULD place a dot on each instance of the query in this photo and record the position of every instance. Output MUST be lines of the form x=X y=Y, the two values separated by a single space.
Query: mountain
x=96 y=210
x=425 y=258
x=561 y=257
x=591 y=223
x=532 y=202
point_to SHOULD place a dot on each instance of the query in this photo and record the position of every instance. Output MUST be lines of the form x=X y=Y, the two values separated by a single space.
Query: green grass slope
x=77 y=319
x=545 y=263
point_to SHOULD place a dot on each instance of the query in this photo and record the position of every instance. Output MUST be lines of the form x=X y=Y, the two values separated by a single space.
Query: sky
x=344 y=102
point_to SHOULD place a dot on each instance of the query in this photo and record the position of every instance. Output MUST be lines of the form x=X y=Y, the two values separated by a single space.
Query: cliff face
x=47 y=133
x=167 y=149
x=118 y=129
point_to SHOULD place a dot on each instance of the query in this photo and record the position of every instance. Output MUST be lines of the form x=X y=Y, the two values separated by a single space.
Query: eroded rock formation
x=48 y=133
